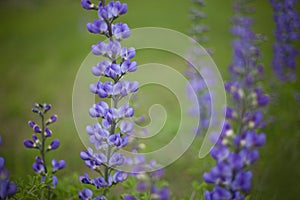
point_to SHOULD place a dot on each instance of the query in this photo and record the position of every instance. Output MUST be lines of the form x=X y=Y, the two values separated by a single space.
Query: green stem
x=43 y=154
x=43 y=143
x=107 y=170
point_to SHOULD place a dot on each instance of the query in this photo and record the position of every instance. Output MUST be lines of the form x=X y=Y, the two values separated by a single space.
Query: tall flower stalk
x=198 y=85
x=42 y=132
x=287 y=32
x=236 y=149
x=112 y=131
x=7 y=188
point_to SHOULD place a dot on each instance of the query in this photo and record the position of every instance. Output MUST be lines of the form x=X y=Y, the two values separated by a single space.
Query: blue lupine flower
x=39 y=142
x=119 y=176
x=196 y=81
x=287 y=31
x=29 y=144
x=87 y=4
x=160 y=193
x=112 y=132
x=57 y=165
x=235 y=150
x=98 y=26
x=54 y=145
x=147 y=181
x=120 y=31
x=54 y=181
x=85 y=194
x=38 y=168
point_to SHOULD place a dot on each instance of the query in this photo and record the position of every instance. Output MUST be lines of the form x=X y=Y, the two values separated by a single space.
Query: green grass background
x=44 y=42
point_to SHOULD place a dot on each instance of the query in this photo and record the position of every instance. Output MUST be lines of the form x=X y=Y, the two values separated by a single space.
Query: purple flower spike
x=111 y=133
x=235 y=149
x=286 y=33
x=39 y=142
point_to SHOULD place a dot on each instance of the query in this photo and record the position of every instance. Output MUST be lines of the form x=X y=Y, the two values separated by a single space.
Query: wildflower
x=112 y=132
x=236 y=149
x=39 y=138
x=286 y=32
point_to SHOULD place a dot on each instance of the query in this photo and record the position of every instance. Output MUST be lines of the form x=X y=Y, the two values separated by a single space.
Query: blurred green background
x=44 y=42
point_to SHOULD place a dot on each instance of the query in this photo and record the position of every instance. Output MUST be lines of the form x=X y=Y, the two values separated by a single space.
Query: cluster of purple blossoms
x=236 y=149
x=7 y=188
x=113 y=130
x=39 y=137
x=196 y=81
x=287 y=31
x=147 y=182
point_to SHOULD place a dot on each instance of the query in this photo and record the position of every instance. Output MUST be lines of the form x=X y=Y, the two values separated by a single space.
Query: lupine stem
x=43 y=143
x=43 y=153
x=112 y=131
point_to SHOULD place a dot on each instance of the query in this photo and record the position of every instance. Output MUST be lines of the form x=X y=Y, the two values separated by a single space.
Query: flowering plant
x=286 y=33
x=41 y=134
x=235 y=150
x=114 y=129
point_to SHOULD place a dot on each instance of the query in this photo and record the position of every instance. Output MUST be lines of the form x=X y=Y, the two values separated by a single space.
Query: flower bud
x=54 y=145
x=29 y=144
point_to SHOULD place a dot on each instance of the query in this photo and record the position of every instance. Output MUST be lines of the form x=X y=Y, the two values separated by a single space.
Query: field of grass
x=43 y=44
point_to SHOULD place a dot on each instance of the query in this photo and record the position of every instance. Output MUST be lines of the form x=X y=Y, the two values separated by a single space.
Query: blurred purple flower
x=235 y=149
x=287 y=32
